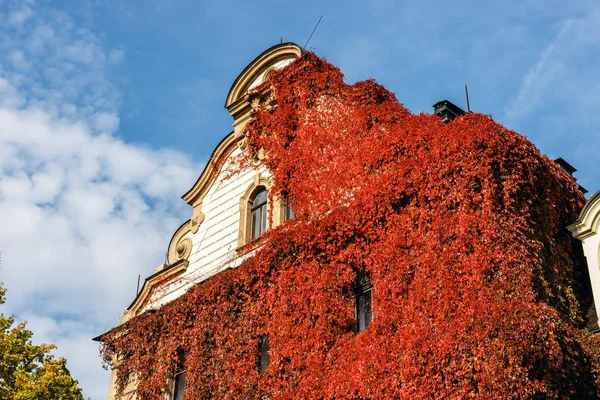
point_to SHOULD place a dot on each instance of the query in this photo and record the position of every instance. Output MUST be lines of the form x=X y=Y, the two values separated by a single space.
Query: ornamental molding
x=241 y=104
x=261 y=65
x=258 y=180
x=589 y=219
x=163 y=274
x=196 y=194
x=180 y=246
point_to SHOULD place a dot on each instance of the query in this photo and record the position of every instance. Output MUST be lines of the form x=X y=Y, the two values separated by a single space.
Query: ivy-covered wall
x=479 y=290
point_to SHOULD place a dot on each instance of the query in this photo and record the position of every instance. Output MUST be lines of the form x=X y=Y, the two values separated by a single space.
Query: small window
x=259 y=214
x=179 y=386
x=289 y=210
x=364 y=301
x=263 y=353
x=179 y=378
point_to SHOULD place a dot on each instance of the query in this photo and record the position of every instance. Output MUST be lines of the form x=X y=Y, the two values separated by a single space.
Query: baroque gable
x=209 y=241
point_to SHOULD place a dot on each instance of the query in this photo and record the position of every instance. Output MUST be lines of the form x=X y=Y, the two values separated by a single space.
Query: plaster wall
x=591 y=249
x=214 y=245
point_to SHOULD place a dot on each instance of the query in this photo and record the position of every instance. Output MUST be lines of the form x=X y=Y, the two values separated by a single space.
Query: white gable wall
x=214 y=245
x=591 y=249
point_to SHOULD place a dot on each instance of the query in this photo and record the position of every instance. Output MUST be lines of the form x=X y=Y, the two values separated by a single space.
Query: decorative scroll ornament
x=196 y=220
x=183 y=248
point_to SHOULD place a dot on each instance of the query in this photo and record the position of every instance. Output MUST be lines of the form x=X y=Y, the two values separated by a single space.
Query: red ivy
x=477 y=283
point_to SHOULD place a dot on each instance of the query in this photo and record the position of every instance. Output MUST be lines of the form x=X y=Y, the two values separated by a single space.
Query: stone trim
x=246 y=205
x=196 y=194
x=259 y=65
x=585 y=229
x=589 y=219
x=163 y=273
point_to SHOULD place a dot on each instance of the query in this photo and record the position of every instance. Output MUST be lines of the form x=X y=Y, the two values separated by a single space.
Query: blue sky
x=109 y=110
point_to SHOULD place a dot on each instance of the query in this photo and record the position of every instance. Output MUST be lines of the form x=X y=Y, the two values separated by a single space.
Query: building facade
x=230 y=211
x=586 y=230
x=227 y=212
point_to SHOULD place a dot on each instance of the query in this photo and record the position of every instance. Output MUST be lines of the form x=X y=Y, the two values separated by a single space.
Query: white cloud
x=116 y=56
x=19 y=16
x=82 y=212
x=18 y=60
x=9 y=95
x=540 y=77
x=560 y=93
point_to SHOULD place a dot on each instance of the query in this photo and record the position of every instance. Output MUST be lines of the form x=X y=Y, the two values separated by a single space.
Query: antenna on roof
x=137 y=291
x=311 y=35
x=467 y=94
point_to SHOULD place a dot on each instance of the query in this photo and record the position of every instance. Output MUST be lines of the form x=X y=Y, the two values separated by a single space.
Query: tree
x=28 y=371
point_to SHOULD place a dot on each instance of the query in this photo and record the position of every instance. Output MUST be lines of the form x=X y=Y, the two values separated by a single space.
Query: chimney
x=446 y=110
x=569 y=169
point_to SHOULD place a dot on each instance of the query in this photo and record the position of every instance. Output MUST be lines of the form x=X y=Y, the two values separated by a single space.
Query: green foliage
x=28 y=371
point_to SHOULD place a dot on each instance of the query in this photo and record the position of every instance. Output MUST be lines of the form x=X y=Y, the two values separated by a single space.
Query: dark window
x=263 y=353
x=259 y=214
x=179 y=386
x=289 y=211
x=364 y=301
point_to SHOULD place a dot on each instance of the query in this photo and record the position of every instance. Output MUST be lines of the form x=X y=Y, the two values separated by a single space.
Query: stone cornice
x=589 y=219
x=163 y=273
x=258 y=66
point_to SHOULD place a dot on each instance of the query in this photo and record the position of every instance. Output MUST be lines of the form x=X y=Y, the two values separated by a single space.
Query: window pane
x=179 y=386
x=255 y=224
x=289 y=212
x=263 y=226
x=364 y=310
x=263 y=353
x=259 y=199
x=259 y=215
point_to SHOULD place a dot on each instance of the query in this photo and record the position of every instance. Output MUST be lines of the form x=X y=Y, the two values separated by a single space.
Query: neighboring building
x=586 y=229
x=230 y=212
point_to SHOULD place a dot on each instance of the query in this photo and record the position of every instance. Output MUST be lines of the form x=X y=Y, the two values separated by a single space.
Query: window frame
x=275 y=215
x=262 y=211
x=263 y=359
x=245 y=233
x=288 y=210
x=363 y=290
x=178 y=375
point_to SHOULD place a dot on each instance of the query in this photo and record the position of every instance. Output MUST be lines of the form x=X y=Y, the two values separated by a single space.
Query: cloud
x=18 y=60
x=83 y=213
x=116 y=56
x=540 y=77
x=19 y=16
x=559 y=96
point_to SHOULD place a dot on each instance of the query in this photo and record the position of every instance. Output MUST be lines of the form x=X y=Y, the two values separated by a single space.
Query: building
x=225 y=215
x=230 y=211
x=586 y=229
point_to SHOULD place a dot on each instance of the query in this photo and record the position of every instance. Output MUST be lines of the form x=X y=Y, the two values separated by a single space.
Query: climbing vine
x=479 y=290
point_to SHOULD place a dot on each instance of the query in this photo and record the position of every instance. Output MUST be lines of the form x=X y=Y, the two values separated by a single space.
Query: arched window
x=258 y=213
x=255 y=205
x=364 y=301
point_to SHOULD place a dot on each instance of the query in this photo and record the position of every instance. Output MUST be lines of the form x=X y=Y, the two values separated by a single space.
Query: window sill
x=251 y=246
